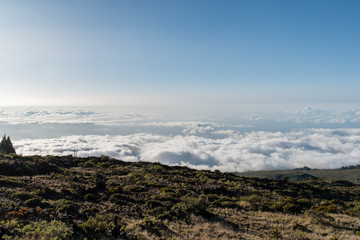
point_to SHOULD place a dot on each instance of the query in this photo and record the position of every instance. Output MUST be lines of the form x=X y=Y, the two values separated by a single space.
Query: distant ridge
x=346 y=173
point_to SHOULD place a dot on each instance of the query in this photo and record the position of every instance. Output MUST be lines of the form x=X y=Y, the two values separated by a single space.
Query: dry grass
x=260 y=225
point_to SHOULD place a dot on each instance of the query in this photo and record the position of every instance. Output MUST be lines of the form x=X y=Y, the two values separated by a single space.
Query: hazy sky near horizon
x=172 y=53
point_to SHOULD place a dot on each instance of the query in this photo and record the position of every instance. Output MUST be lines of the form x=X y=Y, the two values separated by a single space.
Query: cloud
x=199 y=128
x=316 y=148
x=199 y=144
x=56 y=122
x=30 y=115
x=323 y=116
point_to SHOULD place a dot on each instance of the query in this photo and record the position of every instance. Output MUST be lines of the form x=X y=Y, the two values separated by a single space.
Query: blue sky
x=179 y=53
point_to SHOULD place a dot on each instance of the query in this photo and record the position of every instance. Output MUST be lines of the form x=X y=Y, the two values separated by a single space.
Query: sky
x=179 y=53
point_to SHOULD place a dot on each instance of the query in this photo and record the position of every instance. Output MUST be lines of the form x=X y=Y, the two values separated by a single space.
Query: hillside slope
x=351 y=174
x=102 y=198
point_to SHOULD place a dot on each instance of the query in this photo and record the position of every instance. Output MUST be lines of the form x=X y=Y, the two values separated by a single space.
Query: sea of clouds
x=313 y=138
x=316 y=148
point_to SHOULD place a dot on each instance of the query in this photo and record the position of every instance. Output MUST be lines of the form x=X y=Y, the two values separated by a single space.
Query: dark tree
x=6 y=145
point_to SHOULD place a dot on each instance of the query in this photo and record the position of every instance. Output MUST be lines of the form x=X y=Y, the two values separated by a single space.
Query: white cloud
x=323 y=116
x=199 y=144
x=316 y=148
x=29 y=115
x=18 y=115
x=199 y=128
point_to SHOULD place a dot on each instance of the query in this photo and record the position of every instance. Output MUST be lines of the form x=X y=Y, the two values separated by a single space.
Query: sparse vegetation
x=102 y=198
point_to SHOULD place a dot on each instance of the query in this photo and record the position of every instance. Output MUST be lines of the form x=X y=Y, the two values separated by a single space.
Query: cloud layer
x=18 y=115
x=29 y=115
x=284 y=140
x=315 y=148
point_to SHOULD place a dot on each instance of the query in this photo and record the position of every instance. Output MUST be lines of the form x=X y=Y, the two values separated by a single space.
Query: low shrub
x=33 y=202
x=47 y=230
x=22 y=195
x=134 y=188
x=95 y=227
x=117 y=189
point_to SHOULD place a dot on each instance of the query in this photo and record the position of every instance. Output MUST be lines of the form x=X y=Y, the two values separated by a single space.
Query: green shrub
x=47 y=193
x=319 y=217
x=304 y=202
x=134 y=188
x=33 y=202
x=327 y=207
x=47 y=230
x=291 y=208
x=119 y=199
x=65 y=206
x=226 y=204
x=22 y=195
x=89 y=211
x=288 y=205
x=105 y=164
x=89 y=164
x=275 y=234
x=254 y=199
x=153 y=226
x=158 y=212
x=90 y=197
x=299 y=227
x=154 y=203
x=8 y=182
x=331 y=208
x=117 y=189
x=190 y=205
x=95 y=226
x=156 y=169
x=167 y=189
